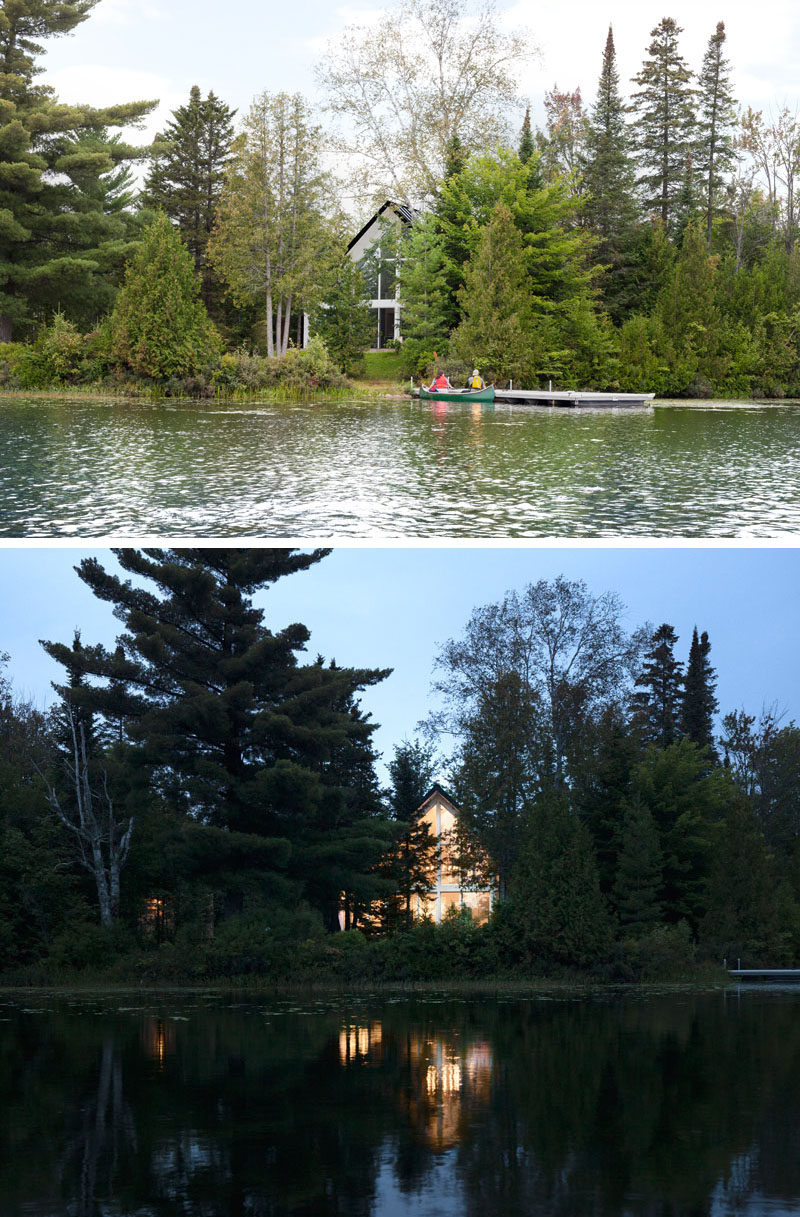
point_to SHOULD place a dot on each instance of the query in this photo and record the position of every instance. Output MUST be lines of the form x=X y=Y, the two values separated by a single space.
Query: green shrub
x=299 y=370
x=160 y=327
x=87 y=946
x=667 y=953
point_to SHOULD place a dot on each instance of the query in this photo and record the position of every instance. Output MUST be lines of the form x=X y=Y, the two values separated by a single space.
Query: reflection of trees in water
x=648 y=1105
x=637 y=1106
x=102 y=1131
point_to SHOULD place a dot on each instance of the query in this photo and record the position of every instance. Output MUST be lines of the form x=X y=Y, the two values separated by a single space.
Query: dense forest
x=202 y=800
x=647 y=240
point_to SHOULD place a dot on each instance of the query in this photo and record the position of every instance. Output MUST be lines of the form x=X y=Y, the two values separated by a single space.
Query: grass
x=273 y=393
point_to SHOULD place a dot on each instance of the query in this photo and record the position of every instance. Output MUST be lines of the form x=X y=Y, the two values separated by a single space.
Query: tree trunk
x=286 y=320
x=5 y=329
x=270 y=339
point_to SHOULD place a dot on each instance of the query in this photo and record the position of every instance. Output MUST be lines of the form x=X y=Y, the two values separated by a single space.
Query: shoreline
x=371 y=392
x=575 y=986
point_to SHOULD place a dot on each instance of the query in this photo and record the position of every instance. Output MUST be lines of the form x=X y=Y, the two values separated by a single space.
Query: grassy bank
x=369 y=391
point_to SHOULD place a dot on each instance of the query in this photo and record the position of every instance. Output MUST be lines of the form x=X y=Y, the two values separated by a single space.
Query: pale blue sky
x=392 y=607
x=158 y=48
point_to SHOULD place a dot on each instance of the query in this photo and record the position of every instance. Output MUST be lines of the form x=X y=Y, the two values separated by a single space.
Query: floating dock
x=765 y=974
x=570 y=398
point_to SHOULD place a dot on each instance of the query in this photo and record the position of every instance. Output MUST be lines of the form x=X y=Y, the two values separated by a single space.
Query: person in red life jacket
x=439 y=383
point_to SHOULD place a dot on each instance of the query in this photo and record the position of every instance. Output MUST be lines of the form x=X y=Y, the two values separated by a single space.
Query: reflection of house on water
x=158 y=1039
x=360 y=1043
x=448 y=1079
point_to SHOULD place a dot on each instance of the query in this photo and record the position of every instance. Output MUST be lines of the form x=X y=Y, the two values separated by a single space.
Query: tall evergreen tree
x=602 y=788
x=412 y=861
x=61 y=244
x=699 y=704
x=496 y=330
x=639 y=871
x=717 y=115
x=235 y=732
x=665 y=121
x=610 y=206
x=556 y=908
x=687 y=803
x=426 y=281
x=527 y=144
x=187 y=174
x=750 y=913
x=450 y=214
x=658 y=699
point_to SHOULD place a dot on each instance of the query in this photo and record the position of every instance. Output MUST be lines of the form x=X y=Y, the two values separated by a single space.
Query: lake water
x=396 y=469
x=639 y=1105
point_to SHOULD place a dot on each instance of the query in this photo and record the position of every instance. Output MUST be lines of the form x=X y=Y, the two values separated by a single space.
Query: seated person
x=476 y=381
x=438 y=383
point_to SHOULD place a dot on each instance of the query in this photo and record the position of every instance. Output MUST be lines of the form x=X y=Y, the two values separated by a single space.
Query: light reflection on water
x=393 y=469
x=624 y=1104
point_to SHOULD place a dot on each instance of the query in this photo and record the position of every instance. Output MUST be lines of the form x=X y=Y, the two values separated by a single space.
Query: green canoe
x=456 y=394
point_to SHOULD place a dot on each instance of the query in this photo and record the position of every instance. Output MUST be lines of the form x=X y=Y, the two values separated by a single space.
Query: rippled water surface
x=676 y=1105
x=397 y=469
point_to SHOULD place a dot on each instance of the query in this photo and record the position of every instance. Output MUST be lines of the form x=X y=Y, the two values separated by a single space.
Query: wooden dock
x=569 y=398
x=765 y=974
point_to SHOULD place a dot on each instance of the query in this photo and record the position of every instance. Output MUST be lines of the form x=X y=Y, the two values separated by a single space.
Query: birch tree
x=774 y=145
x=271 y=237
x=102 y=841
x=429 y=70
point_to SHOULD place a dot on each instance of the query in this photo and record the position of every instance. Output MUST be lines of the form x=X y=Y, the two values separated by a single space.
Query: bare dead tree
x=102 y=841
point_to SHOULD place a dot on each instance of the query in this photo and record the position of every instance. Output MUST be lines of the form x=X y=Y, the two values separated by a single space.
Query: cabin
x=374 y=249
x=449 y=889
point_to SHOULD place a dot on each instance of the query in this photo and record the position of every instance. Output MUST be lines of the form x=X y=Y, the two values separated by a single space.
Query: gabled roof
x=439 y=791
x=401 y=210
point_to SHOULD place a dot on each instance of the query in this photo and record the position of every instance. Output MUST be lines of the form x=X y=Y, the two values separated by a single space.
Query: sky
x=395 y=606
x=135 y=49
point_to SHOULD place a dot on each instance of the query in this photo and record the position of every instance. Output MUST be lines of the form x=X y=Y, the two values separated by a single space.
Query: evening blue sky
x=393 y=607
x=131 y=49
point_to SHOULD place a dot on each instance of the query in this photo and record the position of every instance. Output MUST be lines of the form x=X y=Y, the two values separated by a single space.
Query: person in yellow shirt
x=476 y=381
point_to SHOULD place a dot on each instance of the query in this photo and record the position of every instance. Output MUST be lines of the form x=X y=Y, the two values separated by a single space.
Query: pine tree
x=412 y=862
x=699 y=704
x=610 y=207
x=639 y=872
x=665 y=121
x=527 y=146
x=234 y=732
x=657 y=704
x=717 y=115
x=187 y=173
x=160 y=327
x=62 y=244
